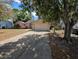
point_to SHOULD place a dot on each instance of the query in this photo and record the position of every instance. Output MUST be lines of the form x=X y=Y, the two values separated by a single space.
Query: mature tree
x=54 y=10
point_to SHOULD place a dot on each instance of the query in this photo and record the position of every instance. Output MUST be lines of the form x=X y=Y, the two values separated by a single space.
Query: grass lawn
x=8 y=33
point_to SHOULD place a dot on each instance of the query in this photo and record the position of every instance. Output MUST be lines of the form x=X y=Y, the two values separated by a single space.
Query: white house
x=40 y=25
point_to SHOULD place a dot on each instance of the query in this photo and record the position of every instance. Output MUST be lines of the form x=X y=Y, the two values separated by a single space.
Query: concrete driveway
x=30 y=45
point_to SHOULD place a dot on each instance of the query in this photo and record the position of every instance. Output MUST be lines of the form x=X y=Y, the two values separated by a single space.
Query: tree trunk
x=67 y=34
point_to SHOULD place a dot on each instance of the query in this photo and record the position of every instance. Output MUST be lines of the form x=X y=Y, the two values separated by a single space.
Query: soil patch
x=62 y=50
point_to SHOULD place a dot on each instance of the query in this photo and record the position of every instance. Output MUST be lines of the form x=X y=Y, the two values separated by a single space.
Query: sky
x=34 y=17
x=16 y=5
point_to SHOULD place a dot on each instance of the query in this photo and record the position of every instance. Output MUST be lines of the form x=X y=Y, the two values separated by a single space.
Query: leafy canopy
x=21 y=15
x=56 y=9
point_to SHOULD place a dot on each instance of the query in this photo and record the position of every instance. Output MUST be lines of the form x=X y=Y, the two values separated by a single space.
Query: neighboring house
x=40 y=25
x=35 y=25
x=24 y=25
x=20 y=24
x=75 y=29
x=6 y=24
x=28 y=24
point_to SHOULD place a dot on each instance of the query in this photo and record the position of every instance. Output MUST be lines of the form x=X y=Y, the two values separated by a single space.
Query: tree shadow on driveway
x=29 y=43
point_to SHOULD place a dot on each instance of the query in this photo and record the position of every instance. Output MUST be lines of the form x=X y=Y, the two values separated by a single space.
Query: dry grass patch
x=8 y=33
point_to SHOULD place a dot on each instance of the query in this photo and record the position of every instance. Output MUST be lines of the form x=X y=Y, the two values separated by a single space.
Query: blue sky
x=17 y=3
x=34 y=17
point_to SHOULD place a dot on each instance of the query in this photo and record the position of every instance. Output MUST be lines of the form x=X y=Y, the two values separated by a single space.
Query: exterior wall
x=2 y=24
x=22 y=24
x=9 y=24
x=28 y=24
x=39 y=25
x=6 y=24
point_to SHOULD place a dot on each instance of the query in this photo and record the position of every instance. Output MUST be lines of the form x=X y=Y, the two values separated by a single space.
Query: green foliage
x=53 y=10
x=21 y=15
x=56 y=9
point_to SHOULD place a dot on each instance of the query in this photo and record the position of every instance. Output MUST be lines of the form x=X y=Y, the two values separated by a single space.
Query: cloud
x=34 y=16
x=18 y=1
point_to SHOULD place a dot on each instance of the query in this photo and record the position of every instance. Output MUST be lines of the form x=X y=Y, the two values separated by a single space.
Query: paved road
x=31 y=46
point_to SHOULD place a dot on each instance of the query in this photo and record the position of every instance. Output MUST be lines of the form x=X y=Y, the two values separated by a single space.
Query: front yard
x=8 y=33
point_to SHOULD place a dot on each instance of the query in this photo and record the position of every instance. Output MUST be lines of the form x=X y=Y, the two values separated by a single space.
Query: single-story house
x=20 y=24
x=40 y=25
x=28 y=24
x=23 y=25
x=6 y=25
